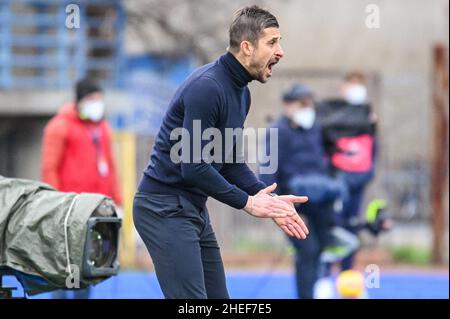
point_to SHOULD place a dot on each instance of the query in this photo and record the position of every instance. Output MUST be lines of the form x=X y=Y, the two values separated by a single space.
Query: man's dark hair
x=85 y=87
x=248 y=24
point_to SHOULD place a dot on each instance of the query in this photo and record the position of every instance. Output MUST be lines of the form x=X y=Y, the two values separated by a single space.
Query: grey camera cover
x=32 y=239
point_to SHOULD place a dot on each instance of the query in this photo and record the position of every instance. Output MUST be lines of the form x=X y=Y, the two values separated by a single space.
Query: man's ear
x=247 y=48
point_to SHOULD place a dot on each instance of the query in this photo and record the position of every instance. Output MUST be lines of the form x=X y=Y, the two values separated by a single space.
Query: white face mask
x=356 y=94
x=92 y=110
x=304 y=117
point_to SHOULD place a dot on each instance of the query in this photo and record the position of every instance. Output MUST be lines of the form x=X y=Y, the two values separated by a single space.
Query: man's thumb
x=269 y=189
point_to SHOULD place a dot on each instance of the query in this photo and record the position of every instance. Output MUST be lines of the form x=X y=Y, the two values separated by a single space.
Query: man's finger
x=293 y=230
x=269 y=189
x=296 y=229
x=283 y=203
x=299 y=230
x=298 y=199
x=302 y=224
x=287 y=231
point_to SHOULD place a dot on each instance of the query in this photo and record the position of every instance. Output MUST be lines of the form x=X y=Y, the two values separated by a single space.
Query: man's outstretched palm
x=292 y=225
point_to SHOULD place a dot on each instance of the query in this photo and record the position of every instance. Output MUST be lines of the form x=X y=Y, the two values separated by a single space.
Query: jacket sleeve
x=239 y=174
x=54 y=142
x=202 y=103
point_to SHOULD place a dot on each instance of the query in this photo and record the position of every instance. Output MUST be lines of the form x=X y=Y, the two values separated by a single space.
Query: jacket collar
x=241 y=77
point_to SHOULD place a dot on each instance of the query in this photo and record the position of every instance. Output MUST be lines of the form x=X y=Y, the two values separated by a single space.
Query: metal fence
x=50 y=44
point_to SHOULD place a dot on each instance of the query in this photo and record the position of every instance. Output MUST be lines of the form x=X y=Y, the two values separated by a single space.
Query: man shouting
x=169 y=207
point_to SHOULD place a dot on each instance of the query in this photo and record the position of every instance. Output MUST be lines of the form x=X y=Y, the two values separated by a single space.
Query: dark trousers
x=319 y=219
x=350 y=220
x=182 y=245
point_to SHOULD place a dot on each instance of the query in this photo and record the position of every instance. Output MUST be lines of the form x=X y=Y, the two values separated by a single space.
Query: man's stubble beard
x=258 y=74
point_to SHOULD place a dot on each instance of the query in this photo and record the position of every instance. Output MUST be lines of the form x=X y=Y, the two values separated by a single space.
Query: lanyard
x=102 y=164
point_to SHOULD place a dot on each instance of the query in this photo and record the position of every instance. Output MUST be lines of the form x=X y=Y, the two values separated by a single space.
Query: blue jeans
x=182 y=245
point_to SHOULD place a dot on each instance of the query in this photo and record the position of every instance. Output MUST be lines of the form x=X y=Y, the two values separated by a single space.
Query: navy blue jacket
x=217 y=95
x=300 y=152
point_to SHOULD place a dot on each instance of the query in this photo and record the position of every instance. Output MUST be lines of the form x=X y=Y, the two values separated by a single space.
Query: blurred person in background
x=303 y=169
x=349 y=134
x=77 y=151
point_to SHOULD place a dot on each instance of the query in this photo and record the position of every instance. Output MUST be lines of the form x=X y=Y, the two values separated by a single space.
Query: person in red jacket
x=77 y=149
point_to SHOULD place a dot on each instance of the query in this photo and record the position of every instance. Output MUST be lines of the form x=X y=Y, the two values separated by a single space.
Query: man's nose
x=280 y=52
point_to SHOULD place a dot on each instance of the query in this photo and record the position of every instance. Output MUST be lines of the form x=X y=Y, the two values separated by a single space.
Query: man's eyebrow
x=275 y=38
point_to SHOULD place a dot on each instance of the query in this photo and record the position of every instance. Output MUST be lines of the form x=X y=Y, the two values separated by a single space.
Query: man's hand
x=266 y=206
x=293 y=225
x=292 y=199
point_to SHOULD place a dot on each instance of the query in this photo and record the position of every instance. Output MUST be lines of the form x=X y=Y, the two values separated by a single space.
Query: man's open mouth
x=270 y=66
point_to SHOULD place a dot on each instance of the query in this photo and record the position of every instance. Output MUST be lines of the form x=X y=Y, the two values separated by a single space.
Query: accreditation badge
x=103 y=168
